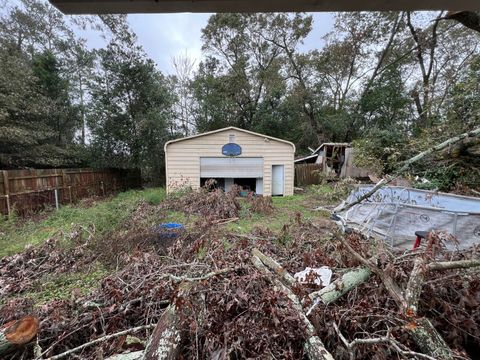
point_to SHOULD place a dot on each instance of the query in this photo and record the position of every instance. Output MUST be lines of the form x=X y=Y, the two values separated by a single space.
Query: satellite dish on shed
x=231 y=149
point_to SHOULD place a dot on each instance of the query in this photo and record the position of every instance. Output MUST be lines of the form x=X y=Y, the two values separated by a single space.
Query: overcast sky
x=164 y=36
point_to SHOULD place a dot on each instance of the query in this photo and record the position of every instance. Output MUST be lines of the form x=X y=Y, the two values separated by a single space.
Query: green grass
x=105 y=216
x=62 y=287
x=285 y=210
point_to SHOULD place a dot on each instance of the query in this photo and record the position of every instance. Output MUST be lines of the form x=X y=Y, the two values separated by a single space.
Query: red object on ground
x=418 y=240
x=420 y=235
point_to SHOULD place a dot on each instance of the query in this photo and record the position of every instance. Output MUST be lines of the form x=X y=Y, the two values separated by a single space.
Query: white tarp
x=395 y=213
x=319 y=276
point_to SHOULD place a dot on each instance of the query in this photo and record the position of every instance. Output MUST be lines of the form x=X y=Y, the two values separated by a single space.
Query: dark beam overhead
x=171 y=6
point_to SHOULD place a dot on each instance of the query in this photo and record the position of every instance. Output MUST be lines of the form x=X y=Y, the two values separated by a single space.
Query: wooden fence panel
x=307 y=174
x=26 y=191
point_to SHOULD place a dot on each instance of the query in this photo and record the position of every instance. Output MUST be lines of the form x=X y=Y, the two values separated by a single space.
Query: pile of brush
x=211 y=294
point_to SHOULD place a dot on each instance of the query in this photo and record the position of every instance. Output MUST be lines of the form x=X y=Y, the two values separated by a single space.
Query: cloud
x=164 y=36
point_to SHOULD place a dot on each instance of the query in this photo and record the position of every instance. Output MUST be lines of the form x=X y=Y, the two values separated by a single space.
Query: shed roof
x=227 y=129
x=331 y=144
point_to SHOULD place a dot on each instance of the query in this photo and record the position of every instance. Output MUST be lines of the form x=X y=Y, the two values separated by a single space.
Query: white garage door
x=225 y=167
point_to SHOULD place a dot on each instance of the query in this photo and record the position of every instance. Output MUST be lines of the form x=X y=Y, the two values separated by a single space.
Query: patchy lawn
x=127 y=216
x=290 y=207
x=104 y=216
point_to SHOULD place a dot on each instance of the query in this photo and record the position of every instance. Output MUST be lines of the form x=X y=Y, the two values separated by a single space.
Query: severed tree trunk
x=165 y=340
x=17 y=333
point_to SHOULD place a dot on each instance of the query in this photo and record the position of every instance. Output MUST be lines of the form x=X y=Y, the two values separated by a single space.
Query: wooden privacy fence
x=307 y=174
x=25 y=191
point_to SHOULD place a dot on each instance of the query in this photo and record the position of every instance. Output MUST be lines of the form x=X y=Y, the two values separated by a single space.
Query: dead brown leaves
x=238 y=314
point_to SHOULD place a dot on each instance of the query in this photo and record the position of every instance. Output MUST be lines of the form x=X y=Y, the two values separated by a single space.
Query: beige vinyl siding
x=183 y=157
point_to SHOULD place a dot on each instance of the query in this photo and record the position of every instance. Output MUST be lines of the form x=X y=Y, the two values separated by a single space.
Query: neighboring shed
x=333 y=159
x=255 y=162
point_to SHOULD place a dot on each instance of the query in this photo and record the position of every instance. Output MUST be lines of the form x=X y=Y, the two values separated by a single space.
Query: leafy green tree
x=131 y=117
x=63 y=117
x=26 y=137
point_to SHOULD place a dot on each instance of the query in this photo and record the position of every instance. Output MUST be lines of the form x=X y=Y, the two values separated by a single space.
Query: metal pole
x=7 y=198
x=56 y=198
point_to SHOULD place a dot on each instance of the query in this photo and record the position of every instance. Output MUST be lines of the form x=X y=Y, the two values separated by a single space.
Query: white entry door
x=278 y=179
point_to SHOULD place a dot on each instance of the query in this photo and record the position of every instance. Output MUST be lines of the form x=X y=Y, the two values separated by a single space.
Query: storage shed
x=256 y=162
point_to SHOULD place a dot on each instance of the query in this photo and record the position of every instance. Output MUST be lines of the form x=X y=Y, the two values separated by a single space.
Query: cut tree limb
x=163 y=343
x=314 y=347
x=428 y=339
x=415 y=285
x=17 y=333
x=339 y=287
x=450 y=265
x=276 y=267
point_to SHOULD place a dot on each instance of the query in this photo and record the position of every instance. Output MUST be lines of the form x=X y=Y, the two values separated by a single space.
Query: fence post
x=7 y=199
x=56 y=198
x=6 y=187
x=64 y=185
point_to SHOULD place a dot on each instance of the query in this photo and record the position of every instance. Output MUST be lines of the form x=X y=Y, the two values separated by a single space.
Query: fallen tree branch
x=421 y=329
x=100 y=340
x=314 y=347
x=383 y=339
x=339 y=287
x=450 y=265
x=393 y=289
x=163 y=343
x=406 y=165
x=274 y=266
x=17 y=333
x=428 y=339
x=176 y=278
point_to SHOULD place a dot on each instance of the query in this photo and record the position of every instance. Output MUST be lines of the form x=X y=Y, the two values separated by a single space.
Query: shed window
x=231 y=138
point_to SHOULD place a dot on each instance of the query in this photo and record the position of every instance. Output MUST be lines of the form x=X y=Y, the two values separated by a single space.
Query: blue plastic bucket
x=170 y=230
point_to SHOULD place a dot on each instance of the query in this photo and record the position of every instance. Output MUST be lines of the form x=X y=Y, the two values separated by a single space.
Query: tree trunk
x=428 y=339
x=163 y=344
x=17 y=333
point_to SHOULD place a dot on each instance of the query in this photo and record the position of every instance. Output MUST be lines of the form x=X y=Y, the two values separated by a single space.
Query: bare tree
x=184 y=67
